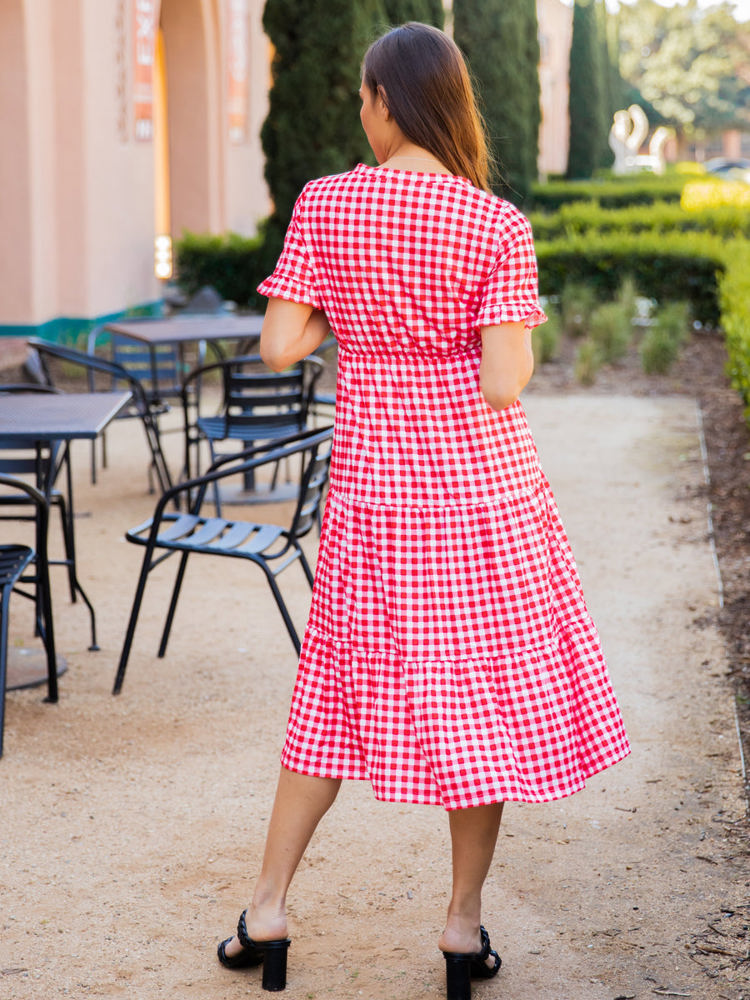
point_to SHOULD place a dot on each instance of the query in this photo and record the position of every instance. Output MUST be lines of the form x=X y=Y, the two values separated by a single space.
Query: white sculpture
x=627 y=135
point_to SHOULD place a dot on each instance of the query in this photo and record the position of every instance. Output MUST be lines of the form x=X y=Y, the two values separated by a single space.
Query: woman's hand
x=507 y=363
x=291 y=331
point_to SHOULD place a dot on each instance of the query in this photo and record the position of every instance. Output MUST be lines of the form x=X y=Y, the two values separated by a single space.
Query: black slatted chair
x=272 y=547
x=53 y=358
x=16 y=562
x=257 y=405
x=159 y=368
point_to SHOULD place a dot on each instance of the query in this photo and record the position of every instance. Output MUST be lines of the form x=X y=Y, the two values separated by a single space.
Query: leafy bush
x=234 y=265
x=661 y=344
x=611 y=328
x=577 y=302
x=545 y=340
x=627 y=296
x=588 y=361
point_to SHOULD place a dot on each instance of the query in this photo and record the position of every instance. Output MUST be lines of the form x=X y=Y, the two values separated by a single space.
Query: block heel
x=274 y=965
x=457 y=976
x=270 y=954
x=460 y=968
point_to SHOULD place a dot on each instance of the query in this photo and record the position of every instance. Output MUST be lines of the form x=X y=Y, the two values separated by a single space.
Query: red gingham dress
x=449 y=656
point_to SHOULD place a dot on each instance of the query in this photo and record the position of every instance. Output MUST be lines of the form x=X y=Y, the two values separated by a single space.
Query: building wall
x=555 y=35
x=80 y=180
x=77 y=187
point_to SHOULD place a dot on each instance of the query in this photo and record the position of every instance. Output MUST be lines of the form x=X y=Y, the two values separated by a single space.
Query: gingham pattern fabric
x=449 y=657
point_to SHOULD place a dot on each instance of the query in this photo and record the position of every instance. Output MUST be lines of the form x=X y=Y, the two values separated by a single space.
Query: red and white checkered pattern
x=449 y=657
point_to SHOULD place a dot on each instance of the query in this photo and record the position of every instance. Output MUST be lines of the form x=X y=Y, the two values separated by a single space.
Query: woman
x=449 y=657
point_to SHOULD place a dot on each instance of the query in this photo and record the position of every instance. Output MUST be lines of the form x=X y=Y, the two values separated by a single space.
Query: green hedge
x=582 y=217
x=643 y=189
x=234 y=265
x=677 y=266
x=734 y=298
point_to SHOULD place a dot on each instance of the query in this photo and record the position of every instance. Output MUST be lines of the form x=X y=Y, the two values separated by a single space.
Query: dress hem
x=416 y=800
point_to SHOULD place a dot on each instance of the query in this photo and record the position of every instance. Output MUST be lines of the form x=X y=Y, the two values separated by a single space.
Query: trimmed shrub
x=664 y=267
x=482 y=29
x=734 y=292
x=643 y=189
x=234 y=265
x=585 y=217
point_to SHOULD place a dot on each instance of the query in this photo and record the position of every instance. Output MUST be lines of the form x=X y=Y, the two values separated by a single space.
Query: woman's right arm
x=507 y=363
x=291 y=331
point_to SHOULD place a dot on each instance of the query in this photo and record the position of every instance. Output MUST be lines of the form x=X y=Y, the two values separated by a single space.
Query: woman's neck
x=409 y=156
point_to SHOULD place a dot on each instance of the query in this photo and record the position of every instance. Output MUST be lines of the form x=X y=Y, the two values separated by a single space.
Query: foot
x=465 y=938
x=262 y=925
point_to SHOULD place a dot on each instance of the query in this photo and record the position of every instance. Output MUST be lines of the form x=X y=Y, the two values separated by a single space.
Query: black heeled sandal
x=460 y=969
x=271 y=954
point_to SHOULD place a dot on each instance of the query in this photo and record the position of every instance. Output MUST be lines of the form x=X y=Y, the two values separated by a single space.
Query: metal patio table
x=41 y=418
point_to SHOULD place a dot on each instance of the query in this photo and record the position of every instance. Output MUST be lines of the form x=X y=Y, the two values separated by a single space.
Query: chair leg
x=68 y=544
x=137 y=601
x=280 y=603
x=217 y=496
x=46 y=627
x=173 y=603
x=3 y=657
x=66 y=512
x=306 y=566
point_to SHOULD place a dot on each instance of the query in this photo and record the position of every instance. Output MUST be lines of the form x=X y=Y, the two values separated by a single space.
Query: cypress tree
x=587 y=99
x=427 y=11
x=500 y=40
x=313 y=125
x=610 y=81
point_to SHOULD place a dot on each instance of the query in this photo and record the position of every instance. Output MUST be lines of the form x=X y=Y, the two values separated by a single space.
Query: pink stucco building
x=125 y=119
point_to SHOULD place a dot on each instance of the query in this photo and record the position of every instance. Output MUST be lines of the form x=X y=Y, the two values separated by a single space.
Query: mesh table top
x=55 y=417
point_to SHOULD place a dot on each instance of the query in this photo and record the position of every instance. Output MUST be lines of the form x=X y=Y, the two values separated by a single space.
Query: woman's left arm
x=291 y=331
x=507 y=363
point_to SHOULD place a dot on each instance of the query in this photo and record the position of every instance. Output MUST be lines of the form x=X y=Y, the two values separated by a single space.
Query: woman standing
x=449 y=656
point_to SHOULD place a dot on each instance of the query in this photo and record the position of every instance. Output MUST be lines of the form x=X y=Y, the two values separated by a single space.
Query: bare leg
x=301 y=802
x=473 y=838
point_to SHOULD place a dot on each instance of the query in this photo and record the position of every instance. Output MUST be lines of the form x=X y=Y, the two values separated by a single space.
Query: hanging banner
x=144 y=44
x=237 y=84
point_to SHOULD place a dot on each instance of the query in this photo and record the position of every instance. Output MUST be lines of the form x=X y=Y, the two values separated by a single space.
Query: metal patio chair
x=272 y=547
x=257 y=405
x=54 y=358
x=15 y=563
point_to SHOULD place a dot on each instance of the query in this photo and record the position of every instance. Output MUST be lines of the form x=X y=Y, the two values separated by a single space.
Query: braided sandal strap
x=479 y=967
x=242 y=936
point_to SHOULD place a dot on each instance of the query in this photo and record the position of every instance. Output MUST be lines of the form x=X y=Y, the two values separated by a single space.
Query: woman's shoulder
x=330 y=182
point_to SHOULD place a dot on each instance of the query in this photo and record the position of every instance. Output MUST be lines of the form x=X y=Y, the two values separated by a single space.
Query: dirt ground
x=132 y=826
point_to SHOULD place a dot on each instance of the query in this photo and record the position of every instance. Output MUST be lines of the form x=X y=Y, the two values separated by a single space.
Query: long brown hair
x=422 y=77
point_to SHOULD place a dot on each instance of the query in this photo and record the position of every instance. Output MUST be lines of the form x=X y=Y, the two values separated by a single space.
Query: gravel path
x=131 y=826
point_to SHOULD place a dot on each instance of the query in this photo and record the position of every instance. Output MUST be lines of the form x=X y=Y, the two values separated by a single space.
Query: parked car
x=729 y=169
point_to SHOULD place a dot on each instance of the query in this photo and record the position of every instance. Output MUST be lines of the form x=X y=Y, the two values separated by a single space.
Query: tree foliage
x=691 y=63
x=500 y=41
x=427 y=11
x=588 y=101
x=313 y=125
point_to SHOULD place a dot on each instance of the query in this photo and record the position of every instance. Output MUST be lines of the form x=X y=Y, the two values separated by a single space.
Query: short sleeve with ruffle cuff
x=293 y=277
x=510 y=293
